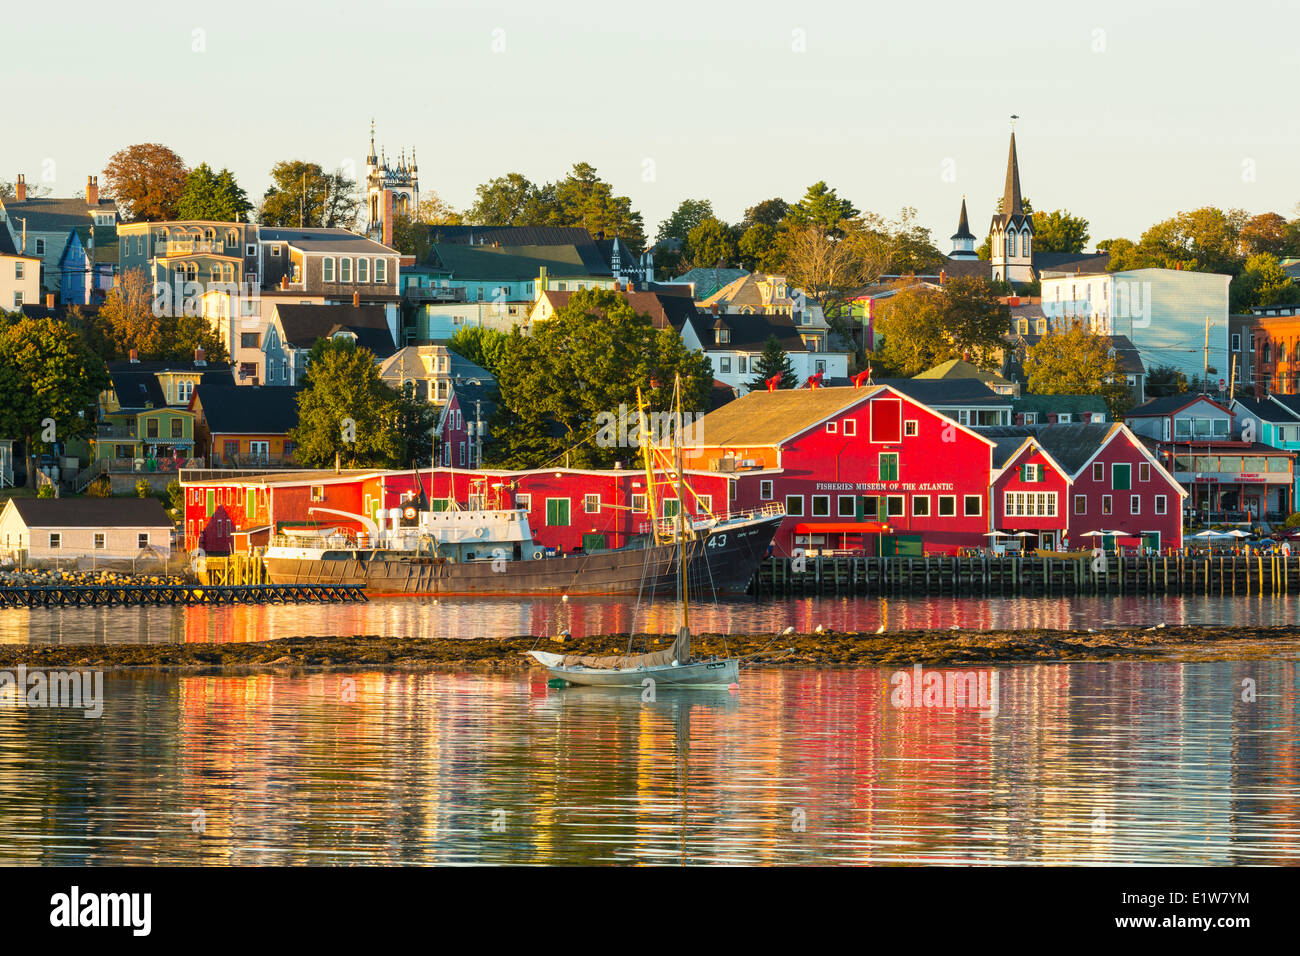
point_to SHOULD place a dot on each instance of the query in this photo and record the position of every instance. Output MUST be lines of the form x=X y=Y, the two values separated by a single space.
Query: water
x=480 y=617
x=1129 y=763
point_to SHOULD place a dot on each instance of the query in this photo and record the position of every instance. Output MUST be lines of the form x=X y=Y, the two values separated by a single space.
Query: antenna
x=1014 y=117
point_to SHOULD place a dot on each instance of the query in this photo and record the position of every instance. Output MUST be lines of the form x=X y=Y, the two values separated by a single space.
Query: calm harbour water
x=479 y=617
x=1130 y=763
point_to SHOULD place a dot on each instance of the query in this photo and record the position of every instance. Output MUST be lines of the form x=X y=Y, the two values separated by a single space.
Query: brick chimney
x=49 y=300
x=92 y=190
x=388 y=217
x=20 y=188
x=200 y=357
x=135 y=356
x=356 y=300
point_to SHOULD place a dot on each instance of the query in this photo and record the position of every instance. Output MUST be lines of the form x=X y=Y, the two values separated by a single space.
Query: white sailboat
x=674 y=667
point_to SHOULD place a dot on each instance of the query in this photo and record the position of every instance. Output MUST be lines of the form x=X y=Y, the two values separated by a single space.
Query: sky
x=1129 y=111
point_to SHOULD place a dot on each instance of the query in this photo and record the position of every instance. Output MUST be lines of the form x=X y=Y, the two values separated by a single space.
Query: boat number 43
x=716 y=541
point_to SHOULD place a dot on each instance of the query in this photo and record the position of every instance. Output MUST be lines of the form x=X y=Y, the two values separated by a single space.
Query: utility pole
x=302 y=203
x=1232 y=380
x=1205 y=380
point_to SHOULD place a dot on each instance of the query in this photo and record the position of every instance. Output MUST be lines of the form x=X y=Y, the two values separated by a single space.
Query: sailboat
x=675 y=666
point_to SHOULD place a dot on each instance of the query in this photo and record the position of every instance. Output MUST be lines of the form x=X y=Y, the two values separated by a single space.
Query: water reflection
x=1085 y=763
x=477 y=617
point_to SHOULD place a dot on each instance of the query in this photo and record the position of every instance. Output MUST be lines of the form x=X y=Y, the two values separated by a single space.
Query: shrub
x=143 y=489
x=175 y=496
x=101 y=487
x=1293 y=520
x=45 y=491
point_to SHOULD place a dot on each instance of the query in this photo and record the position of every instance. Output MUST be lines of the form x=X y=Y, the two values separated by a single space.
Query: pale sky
x=1130 y=111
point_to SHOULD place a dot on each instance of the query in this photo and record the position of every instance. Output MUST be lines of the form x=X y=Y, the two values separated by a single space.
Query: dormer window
x=723 y=336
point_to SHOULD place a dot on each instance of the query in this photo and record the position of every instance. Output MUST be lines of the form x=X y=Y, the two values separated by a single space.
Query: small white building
x=1164 y=312
x=50 y=529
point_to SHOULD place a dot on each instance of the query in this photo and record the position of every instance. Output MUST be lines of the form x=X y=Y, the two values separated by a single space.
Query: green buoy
x=557 y=682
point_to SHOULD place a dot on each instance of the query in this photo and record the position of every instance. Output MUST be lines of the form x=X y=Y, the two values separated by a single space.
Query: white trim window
x=363 y=270
x=765 y=490
x=345 y=269
x=327 y=269
x=1161 y=504
x=381 y=270
x=1030 y=504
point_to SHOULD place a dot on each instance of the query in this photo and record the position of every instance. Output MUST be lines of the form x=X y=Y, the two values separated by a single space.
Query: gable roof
x=1073 y=404
x=1269 y=409
x=48 y=214
x=1070 y=445
x=665 y=311
x=1290 y=402
x=91 y=512
x=1169 y=404
x=769 y=418
x=947 y=391
x=136 y=389
x=516 y=263
x=960 y=369
x=304 y=325
x=1071 y=263
x=247 y=409
x=708 y=281
x=749 y=331
x=325 y=240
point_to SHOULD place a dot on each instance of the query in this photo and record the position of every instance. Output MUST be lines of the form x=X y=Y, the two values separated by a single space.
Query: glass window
x=591 y=504
x=794 y=505
x=765 y=489
x=381 y=270
x=947 y=506
x=345 y=269
x=1105 y=504
x=895 y=506
x=327 y=269
x=920 y=506
x=821 y=506
x=1081 y=504
x=973 y=506
x=638 y=504
x=846 y=506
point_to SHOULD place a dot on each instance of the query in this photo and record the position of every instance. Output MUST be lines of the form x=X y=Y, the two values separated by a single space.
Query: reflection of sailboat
x=675 y=666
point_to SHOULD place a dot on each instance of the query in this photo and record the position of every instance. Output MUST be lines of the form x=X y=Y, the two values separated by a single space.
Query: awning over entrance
x=843 y=527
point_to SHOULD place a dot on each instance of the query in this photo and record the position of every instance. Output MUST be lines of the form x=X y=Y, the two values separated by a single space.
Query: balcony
x=115 y=432
x=189 y=247
x=431 y=294
x=253 y=461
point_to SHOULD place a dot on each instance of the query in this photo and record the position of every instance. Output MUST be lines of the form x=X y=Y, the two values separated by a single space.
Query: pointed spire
x=1011 y=205
x=963 y=227
x=371 y=157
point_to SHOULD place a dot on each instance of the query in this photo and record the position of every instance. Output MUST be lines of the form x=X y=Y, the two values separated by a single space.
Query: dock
x=161 y=595
x=1014 y=576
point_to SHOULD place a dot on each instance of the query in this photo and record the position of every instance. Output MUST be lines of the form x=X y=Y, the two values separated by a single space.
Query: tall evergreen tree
x=771 y=362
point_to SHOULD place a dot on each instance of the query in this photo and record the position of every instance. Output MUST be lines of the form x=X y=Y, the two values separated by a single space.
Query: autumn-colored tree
x=50 y=381
x=1077 y=361
x=147 y=180
x=130 y=319
x=920 y=327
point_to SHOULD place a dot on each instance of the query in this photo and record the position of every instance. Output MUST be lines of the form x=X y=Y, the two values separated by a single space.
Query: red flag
x=860 y=378
x=774 y=382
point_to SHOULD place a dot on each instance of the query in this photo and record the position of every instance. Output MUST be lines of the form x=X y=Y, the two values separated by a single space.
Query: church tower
x=963 y=240
x=402 y=180
x=1011 y=232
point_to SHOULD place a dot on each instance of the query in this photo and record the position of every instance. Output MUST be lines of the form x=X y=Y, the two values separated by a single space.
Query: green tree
x=710 y=243
x=1060 y=231
x=416 y=420
x=1205 y=240
x=771 y=362
x=769 y=212
x=214 y=196
x=302 y=193
x=761 y=248
x=689 y=214
x=48 y=377
x=1077 y=361
x=920 y=327
x=559 y=384
x=1162 y=380
x=508 y=200
x=584 y=199
x=346 y=413
x=1262 y=281
x=485 y=347
x=821 y=206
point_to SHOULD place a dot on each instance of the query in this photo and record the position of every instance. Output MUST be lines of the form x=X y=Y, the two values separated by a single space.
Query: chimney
x=199 y=357
x=92 y=190
x=388 y=217
x=135 y=357
x=49 y=300
x=942 y=277
x=284 y=281
x=20 y=188
x=356 y=300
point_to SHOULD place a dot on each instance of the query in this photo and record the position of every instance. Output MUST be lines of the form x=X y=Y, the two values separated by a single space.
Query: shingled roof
x=769 y=418
x=91 y=512
x=665 y=311
x=48 y=214
x=304 y=325
x=248 y=409
x=1070 y=445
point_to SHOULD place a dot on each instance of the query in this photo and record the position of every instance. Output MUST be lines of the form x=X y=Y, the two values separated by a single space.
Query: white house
x=20 y=276
x=48 y=529
x=1164 y=312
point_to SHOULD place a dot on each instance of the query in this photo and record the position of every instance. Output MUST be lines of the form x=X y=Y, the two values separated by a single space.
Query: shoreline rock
x=830 y=649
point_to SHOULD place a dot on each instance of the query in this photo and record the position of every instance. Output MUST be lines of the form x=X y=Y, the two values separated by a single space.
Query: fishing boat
x=676 y=666
x=487 y=548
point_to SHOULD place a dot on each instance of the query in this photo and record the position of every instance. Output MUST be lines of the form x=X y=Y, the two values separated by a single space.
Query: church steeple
x=372 y=159
x=1011 y=204
x=963 y=240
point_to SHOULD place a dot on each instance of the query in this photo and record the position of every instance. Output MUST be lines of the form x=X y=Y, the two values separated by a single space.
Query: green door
x=901 y=546
x=1151 y=539
x=593 y=542
x=212 y=502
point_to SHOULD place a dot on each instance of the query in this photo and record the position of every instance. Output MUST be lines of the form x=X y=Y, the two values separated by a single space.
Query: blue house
x=1276 y=421
x=88 y=264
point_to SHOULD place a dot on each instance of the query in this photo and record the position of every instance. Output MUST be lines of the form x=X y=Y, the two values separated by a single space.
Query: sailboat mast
x=681 y=502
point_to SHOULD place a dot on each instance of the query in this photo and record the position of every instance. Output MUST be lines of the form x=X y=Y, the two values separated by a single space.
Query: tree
x=416 y=420
x=771 y=362
x=215 y=196
x=1059 y=231
x=302 y=193
x=582 y=363
x=1205 y=240
x=710 y=243
x=346 y=413
x=50 y=381
x=821 y=206
x=908 y=243
x=1262 y=281
x=761 y=248
x=689 y=214
x=505 y=201
x=1267 y=232
x=147 y=180
x=584 y=199
x=769 y=212
x=1162 y=380
x=920 y=327
x=9 y=190
x=129 y=319
x=1077 y=361
x=433 y=211
x=485 y=347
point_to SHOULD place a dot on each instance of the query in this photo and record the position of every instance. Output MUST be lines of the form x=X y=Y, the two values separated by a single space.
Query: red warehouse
x=857 y=469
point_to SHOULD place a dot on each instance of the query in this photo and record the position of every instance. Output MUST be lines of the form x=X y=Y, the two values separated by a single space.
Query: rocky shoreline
x=832 y=649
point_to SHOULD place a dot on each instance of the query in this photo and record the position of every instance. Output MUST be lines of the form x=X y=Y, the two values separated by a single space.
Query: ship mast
x=681 y=500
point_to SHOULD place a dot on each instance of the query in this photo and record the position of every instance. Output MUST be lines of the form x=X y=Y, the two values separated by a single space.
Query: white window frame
x=587 y=508
x=765 y=489
x=850 y=427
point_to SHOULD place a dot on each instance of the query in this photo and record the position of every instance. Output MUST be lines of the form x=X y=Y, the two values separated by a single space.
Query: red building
x=568 y=509
x=1068 y=480
x=857 y=469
